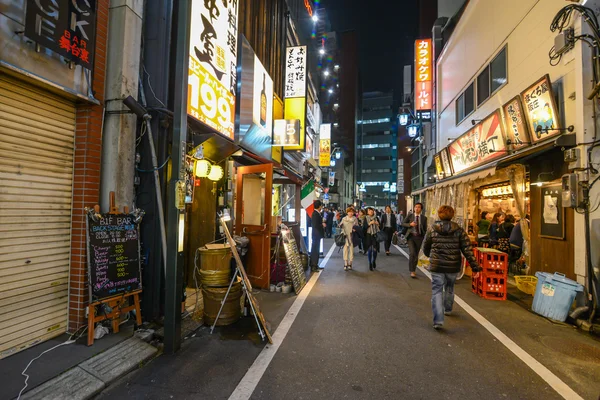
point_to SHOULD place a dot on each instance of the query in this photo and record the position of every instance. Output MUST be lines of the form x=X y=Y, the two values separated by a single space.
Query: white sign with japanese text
x=295 y=72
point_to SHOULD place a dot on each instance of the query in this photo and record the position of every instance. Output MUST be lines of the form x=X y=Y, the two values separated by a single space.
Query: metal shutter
x=37 y=131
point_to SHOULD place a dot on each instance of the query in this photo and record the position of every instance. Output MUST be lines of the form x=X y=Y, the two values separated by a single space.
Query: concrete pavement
x=369 y=335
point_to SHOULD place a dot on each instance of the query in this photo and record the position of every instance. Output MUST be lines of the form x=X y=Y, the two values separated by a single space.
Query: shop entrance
x=253 y=219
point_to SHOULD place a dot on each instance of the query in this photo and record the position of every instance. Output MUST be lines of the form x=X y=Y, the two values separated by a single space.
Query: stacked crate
x=491 y=282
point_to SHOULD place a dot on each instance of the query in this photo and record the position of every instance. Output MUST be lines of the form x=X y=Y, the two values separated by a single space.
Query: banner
x=213 y=64
x=325 y=145
x=483 y=143
x=295 y=72
x=540 y=109
x=331 y=178
x=307 y=195
x=516 y=125
x=423 y=75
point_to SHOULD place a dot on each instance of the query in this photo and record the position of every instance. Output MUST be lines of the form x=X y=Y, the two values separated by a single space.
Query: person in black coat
x=388 y=225
x=329 y=222
x=444 y=243
x=416 y=224
x=318 y=233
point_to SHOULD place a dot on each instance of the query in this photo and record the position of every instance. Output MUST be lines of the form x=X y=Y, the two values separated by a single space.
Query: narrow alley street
x=369 y=335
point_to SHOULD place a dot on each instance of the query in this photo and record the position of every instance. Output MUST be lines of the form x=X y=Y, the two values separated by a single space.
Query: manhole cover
x=575 y=349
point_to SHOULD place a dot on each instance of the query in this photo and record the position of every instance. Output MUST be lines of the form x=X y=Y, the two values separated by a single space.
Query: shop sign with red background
x=423 y=75
x=482 y=144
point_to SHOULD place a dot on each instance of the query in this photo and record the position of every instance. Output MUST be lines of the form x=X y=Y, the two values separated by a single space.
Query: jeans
x=414 y=246
x=442 y=295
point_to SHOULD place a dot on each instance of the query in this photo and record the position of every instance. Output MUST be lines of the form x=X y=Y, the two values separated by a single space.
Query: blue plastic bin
x=554 y=295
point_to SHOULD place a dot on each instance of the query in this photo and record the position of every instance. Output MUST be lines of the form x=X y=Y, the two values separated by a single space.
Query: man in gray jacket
x=417 y=227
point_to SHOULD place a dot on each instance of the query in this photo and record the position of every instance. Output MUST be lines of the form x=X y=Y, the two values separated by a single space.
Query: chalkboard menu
x=293 y=260
x=113 y=256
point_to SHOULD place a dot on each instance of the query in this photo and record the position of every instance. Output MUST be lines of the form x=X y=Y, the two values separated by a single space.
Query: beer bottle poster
x=113 y=256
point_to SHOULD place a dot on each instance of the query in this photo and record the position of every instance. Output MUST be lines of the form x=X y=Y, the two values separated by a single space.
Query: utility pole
x=174 y=273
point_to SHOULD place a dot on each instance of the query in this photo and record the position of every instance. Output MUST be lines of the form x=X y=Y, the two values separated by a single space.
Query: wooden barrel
x=212 y=302
x=215 y=278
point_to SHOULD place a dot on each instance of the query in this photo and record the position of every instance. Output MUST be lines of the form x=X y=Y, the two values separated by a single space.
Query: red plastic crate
x=493 y=295
x=491 y=286
x=492 y=259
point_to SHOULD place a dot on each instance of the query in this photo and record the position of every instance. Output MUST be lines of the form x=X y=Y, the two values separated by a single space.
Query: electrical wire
x=154 y=169
x=150 y=87
x=67 y=342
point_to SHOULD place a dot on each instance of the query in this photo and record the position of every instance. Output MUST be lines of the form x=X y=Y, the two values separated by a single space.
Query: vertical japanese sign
x=516 y=125
x=332 y=178
x=295 y=72
x=423 y=74
x=212 y=65
x=479 y=145
x=67 y=27
x=439 y=168
x=400 y=177
x=446 y=162
x=325 y=145
x=540 y=109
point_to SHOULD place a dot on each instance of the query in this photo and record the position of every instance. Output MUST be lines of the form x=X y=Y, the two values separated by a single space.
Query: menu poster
x=541 y=111
x=483 y=143
x=439 y=169
x=113 y=256
x=516 y=124
x=446 y=162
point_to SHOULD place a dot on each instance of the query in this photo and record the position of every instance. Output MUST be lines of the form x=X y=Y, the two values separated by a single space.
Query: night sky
x=387 y=30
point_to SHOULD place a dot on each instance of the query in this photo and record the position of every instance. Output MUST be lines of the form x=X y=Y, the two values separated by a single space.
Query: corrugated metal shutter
x=37 y=131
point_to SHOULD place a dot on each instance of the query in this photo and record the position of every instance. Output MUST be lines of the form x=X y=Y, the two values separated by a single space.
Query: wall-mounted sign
x=541 y=111
x=331 y=178
x=400 y=177
x=446 y=162
x=67 y=27
x=423 y=74
x=296 y=109
x=286 y=132
x=325 y=145
x=309 y=8
x=516 y=125
x=439 y=168
x=212 y=66
x=309 y=145
x=483 y=143
x=413 y=131
x=255 y=100
x=424 y=115
x=295 y=72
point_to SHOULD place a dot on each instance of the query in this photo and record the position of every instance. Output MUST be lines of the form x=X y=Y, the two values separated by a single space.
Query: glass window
x=483 y=86
x=470 y=99
x=498 y=70
x=460 y=108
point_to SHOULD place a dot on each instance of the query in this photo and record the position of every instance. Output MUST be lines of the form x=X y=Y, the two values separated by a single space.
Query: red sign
x=483 y=143
x=423 y=74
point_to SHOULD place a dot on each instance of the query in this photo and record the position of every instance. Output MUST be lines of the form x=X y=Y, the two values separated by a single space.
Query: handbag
x=381 y=236
x=340 y=239
x=395 y=239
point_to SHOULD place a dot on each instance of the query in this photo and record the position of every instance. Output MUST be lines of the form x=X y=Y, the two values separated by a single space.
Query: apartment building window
x=465 y=103
x=492 y=78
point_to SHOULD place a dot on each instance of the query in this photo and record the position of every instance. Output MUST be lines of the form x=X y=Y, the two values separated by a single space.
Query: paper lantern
x=202 y=168
x=216 y=173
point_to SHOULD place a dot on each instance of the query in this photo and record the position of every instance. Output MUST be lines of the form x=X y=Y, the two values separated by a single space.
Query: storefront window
x=253 y=200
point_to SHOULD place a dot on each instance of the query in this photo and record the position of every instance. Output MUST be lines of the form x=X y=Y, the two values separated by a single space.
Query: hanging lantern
x=216 y=173
x=202 y=169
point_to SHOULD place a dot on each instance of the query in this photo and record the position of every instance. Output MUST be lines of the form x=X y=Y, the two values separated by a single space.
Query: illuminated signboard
x=540 y=109
x=439 y=168
x=483 y=143
x=446 y=162
x=286 y=132
x=309 y=8
x=423 y=74
x=325 y=145
x=296 y=109
x=295 y=72
x=212 y=64
x=516 y=124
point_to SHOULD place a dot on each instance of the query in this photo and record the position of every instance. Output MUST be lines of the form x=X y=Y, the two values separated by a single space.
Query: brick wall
x=86 y=175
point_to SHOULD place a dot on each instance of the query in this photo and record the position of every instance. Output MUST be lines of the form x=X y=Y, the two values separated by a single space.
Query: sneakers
x=437 y=327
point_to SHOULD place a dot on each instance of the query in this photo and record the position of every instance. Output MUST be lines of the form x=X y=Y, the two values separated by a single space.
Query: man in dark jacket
x=416 y=224
x=443 y=244
x=388 y=225
x=329 y=222
x=318 y=233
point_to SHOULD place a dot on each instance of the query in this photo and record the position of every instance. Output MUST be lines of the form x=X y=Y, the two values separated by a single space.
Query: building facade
x=377 y=150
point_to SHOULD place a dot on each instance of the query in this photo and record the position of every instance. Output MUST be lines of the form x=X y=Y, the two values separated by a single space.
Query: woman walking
x=443 y=244
x=371 y=226
x=361 y=220
x=388 y=223
x=348 y=225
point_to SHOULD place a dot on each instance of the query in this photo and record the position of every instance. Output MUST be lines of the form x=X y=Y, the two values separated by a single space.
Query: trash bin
x=554 y=295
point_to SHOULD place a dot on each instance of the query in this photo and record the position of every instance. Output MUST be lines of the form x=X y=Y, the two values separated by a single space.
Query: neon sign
x=308 y=7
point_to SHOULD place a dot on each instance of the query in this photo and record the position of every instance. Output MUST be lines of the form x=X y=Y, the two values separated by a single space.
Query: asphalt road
x=369 y=335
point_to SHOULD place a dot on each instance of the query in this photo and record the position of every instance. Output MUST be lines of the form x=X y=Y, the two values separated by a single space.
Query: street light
x=330 y=91
x=315 y=18
x=332 y=163
x=322 y=51
x=338 y=155
x=326 y=72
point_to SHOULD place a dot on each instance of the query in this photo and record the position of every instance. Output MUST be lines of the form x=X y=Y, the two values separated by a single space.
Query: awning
x=469 y=176
x=423 y=189
x=526 y=153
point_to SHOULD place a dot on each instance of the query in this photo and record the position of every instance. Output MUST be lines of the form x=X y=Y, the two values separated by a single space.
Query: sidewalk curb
x=92 y=376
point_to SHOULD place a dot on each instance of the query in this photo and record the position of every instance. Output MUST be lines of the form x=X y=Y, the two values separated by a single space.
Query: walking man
x=318 y=233
x=417 y=227
x=444 y=243
x=388 y=222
